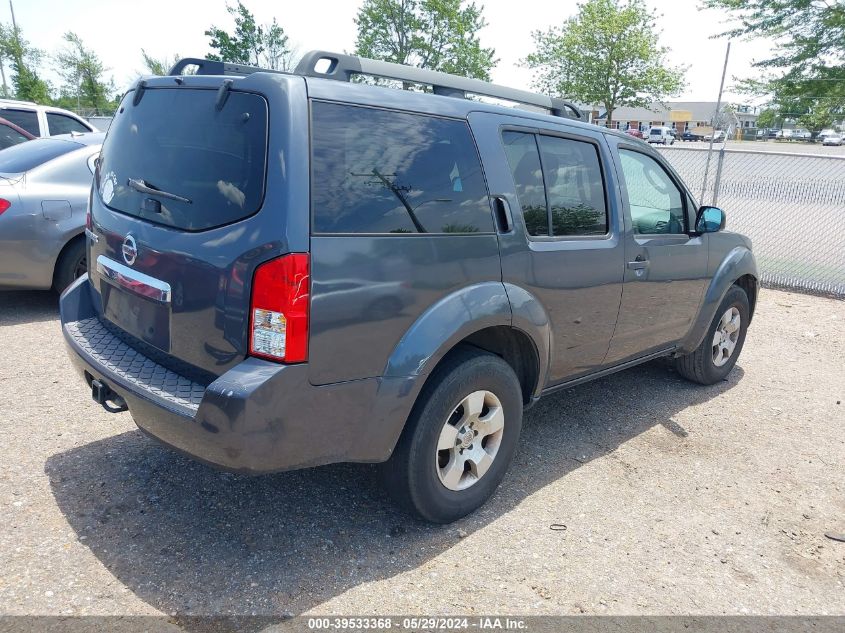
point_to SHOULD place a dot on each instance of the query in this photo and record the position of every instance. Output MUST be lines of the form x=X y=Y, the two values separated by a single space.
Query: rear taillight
x=4 y=204
x=279 y=309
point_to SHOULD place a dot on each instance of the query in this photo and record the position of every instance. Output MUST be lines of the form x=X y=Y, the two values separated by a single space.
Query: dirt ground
x=676 y=499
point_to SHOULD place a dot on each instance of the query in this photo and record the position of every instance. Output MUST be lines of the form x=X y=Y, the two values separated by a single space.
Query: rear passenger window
x=559 y=184
x=524 y=161
x=25 y=119
x=377 y=171
x=575 y=186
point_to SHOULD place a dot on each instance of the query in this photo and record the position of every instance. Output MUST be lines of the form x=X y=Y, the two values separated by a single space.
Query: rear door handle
x=502 y=211
x=638 y=264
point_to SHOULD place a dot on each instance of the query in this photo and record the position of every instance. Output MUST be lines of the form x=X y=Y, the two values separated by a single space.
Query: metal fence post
x=718 y=176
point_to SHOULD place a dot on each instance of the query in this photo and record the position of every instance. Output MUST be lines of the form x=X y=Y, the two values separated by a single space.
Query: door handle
x=639 y=263
x=503 y=214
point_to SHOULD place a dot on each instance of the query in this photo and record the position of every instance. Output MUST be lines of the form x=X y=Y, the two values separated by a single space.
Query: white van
x=663 y=135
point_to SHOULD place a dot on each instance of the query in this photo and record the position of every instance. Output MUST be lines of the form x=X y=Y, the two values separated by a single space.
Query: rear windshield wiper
x=145 y=187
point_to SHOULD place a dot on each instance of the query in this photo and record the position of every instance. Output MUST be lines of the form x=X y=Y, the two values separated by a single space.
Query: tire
x=441 y=486
x=703 y=364
x=71 y=264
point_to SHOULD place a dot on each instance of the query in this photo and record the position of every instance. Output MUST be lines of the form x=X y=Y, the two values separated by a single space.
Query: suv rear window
x=379 y=171
x=25 y=156
x=176 y=141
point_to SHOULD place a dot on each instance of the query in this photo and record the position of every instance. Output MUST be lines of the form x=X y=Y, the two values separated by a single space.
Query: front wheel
x=459 y=439
x=711 y=361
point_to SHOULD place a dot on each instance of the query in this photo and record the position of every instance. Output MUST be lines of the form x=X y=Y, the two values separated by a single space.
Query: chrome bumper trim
x=134 y=281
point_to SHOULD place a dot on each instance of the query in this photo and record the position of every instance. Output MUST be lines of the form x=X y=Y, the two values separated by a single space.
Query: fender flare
x=439 y=329
x=738 y=262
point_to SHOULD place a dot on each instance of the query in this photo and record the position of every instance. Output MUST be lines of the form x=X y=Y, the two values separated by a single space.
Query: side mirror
x=710 y=220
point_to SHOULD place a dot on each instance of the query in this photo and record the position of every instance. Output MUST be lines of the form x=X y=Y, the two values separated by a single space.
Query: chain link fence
x=792 y=206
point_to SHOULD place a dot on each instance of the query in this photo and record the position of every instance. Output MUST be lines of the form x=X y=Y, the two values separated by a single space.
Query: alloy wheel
x=469 y=440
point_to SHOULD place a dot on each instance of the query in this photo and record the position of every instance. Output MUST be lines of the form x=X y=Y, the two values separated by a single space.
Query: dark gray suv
x=288 y=270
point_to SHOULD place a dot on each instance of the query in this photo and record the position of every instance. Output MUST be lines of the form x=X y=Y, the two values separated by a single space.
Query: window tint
x=10 y=136
x=376 y=171
x=575 y=188
x=25 y=156
x=177 y=141
x=524 y=161
x=62 y=124
x=25 y=119
x=566 y=196
x=656 y=203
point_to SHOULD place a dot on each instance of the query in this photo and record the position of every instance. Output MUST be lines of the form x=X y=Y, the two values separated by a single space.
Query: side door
x=564 y=244
x=665 y=263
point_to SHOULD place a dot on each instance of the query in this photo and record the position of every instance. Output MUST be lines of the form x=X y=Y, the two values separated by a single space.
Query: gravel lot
x=677 y=499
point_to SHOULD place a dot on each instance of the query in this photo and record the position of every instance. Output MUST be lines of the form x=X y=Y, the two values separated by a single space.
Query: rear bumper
x=258 y=417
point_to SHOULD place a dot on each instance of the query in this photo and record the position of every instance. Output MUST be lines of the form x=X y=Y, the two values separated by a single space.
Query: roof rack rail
x=216 y=67
x=343 y=67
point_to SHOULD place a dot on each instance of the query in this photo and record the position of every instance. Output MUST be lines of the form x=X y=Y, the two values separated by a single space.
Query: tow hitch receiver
x=103 y=395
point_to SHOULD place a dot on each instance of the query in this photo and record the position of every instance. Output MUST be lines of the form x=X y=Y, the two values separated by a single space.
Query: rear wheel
x=72 y=264
x=718 y=352
x=459 y=440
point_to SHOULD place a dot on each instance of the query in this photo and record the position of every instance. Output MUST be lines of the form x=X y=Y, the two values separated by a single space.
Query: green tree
x=84 y=75
x=435 y=34
x=805 y=73
x=607 y=54
x=24 y=61
x=769 y=118
x=158 y=65
x=251 y=43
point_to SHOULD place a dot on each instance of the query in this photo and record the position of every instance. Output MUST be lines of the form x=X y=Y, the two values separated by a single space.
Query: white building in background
x=679 y=115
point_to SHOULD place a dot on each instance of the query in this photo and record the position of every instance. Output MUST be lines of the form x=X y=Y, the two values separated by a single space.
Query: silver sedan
x=44 y=188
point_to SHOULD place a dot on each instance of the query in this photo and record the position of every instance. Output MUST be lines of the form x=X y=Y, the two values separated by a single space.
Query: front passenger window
x=655 y=201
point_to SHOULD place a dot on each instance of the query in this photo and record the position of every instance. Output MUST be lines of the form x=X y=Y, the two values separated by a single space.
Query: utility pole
x=713 y=135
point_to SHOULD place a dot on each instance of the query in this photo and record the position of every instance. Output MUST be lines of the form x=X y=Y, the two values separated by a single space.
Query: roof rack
x=216 y=67
x=341 y=67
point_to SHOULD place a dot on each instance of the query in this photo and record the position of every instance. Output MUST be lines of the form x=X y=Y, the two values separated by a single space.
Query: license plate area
x=136 y=303
x=140 y=317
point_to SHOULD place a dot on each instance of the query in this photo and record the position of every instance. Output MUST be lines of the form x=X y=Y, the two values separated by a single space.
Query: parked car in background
x=827 y=132
x=427 y=267
x=41 y=120
x=632 y=131
x=690 y=135
x=800 y=134
x=833 y=139
x=661 y=135
x=762 y=134
x=44 y=189
x=773 y=133
x=785 y=135
x=11 y=134
x=718 y=136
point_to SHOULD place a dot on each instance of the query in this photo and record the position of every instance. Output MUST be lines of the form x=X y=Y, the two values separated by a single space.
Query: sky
x=117 y=30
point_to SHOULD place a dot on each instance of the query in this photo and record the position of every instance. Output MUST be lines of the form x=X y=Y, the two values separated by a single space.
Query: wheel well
x=749 y=285
x=515 y=348
x=74 y=240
